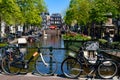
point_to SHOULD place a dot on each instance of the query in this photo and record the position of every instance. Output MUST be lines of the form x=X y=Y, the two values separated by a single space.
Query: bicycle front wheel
x=71 y=68
x=8 y=68
x=46 y=67
x=107 y=69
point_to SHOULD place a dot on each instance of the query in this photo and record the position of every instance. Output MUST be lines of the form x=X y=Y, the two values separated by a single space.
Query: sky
x=57 y=6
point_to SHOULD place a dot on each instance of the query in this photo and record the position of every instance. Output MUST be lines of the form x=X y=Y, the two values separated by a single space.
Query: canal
x=51 y=41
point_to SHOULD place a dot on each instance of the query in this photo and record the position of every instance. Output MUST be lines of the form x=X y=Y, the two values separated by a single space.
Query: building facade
x=56 y=19
x=45 y=19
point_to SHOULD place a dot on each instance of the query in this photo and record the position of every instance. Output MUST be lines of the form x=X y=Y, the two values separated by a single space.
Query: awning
x=52 y=27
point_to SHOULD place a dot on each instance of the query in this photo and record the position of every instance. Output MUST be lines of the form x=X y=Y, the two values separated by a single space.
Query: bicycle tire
x=107 y=69
x=71 y=68
x=7 y=68
x=44 y=70
x=24 y=70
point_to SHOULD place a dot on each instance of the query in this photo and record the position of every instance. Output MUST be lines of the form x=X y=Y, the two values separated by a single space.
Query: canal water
x=55 y=42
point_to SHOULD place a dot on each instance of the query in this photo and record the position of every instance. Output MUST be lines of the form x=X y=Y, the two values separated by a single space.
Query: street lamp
x=118 y=28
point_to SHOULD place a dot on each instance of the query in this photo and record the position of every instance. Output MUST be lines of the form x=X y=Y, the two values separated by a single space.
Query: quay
x=114 y=54
x=29 y=76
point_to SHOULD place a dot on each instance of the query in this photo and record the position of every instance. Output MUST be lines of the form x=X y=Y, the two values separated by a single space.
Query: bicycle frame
x=43 y=59
x=35 y=54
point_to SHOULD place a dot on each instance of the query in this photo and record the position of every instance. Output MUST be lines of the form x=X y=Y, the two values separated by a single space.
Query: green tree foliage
x=79 y=11
x=101 y=8
x=88 y=11
x=117 y=2
x=31 y=10
x=22 y=11
x=10 y=12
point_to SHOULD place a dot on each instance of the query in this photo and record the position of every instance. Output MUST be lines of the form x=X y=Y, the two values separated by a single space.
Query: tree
x=101 y=8
x=88 y=11
x=31 y=10
x=79 y=11
x=10 y=12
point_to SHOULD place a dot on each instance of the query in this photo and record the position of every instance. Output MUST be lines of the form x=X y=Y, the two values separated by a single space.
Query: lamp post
x=118 y=28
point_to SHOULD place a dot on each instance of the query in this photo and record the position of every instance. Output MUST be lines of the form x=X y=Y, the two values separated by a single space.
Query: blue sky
x=57 y=6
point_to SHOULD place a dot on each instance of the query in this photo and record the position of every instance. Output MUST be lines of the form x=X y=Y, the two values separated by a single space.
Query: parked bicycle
x=13 y=62
x=77 y=64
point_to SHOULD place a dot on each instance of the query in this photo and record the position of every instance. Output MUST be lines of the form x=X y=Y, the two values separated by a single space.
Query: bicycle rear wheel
x=71 y=68
x=47 y=68
x=107 y=69
x=8 y=68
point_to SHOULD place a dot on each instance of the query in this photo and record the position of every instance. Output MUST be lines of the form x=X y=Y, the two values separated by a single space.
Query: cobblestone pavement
x=29 y=76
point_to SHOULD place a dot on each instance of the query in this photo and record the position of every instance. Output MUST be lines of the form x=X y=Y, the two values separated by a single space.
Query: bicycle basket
x=90 y=56
x=91 y=45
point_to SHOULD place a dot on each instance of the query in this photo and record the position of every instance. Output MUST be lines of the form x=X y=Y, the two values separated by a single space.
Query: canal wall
x=114 y=54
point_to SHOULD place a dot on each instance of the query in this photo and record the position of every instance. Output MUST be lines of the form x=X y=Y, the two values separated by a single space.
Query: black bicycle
x=13 y=62
x=77 y=64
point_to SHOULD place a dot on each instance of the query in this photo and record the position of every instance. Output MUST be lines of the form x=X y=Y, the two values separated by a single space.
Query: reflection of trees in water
x=54 y=40
x=51 y=40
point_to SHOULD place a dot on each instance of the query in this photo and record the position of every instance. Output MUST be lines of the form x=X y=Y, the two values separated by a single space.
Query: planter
x=75 y=36
x=72 y=39
x=73 y=44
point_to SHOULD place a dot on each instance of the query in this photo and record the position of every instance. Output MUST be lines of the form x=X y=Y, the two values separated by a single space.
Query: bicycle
x=77 y=64
x=13 y=63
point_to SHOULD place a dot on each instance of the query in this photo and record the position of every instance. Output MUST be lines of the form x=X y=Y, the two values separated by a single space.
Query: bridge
x=52 y=32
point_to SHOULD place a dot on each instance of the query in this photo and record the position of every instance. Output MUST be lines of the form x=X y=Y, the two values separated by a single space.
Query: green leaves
x=31 y=10
x=79 y=11
x=87 y=11
x=9 y=10
x=22 y=11
x=101 y=8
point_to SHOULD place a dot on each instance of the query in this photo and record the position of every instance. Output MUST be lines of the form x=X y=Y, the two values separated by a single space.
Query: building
x=56 y=19
x=45 y=19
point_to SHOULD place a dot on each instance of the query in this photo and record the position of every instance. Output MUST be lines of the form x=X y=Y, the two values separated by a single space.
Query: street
x=29 y=76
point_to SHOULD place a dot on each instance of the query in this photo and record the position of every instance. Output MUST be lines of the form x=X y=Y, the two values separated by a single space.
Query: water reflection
x=56 y=42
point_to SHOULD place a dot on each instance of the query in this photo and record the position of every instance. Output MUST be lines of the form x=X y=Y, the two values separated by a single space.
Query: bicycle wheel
x=47 y=68
x=8 y=68
x=71 y=68
x=107 y=69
